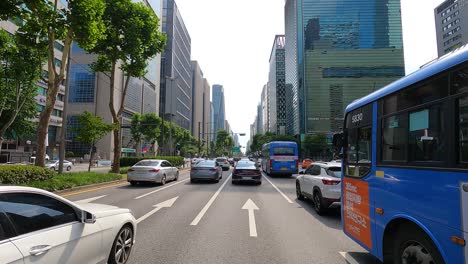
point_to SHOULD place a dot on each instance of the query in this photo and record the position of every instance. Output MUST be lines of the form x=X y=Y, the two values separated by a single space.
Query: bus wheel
x=414 y=246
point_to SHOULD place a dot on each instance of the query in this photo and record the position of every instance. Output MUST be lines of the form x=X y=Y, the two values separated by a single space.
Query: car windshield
x=334 y=172
x=147 y=163
x=221 y=160
x=51 y=161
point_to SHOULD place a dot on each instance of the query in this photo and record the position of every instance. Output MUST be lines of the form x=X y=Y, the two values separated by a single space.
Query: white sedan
x=40 y=227
x=320 y=182
x=158 y=171
x=54 y=165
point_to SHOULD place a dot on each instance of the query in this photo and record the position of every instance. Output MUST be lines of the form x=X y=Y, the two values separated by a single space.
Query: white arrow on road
x=158 y=207
x=90 y=199
x=250 y=206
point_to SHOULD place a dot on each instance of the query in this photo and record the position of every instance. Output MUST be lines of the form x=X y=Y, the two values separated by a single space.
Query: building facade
x=266 y=108
x=342 y=50
x=90 y=92
x=451 y=22
x=277 y=87
x=259 y=120
x=17 y=150
x=176 y=69
x=201 y=106
x=218 y=107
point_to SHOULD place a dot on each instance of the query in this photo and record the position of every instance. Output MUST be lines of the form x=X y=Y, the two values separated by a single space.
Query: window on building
x=58 y=46
x=41 y=91
x=60 y=97
x=82 y=84
x=58 y=63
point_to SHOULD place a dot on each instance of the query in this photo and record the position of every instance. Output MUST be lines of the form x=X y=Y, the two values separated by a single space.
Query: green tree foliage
x=260 y=139
x=131 y=39
x=18 y=76
x=91 y=129
x=151 y=128
x=315 y=144
x=224 y=142
x=42 y=23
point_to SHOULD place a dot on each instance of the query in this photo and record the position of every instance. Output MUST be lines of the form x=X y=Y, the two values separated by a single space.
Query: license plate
x=284 y=169
x=247 y=178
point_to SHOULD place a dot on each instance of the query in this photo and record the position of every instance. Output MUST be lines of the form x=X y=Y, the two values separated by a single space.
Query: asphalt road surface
x=206 y=223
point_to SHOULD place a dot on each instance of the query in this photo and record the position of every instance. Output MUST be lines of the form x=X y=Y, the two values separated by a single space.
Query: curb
x=97 y=185
x=90 y=186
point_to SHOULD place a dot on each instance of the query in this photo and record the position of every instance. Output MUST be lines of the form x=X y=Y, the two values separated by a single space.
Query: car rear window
x=147 y=163
x=334 y=172
x=206 y=163
x=245 y=165
x=283 y=151
x=221 y=160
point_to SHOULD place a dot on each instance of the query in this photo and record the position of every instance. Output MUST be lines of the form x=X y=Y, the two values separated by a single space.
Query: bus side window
x=359 y=151
x=463 y=130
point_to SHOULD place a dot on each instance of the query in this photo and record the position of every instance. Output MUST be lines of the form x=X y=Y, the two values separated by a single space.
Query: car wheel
x=217 y=180
x=69 y=168
x=176 y=176
x=163 y=180
x=318 y=203
x=412 y=245
x=133 y=183
x=52 y=168
x=192 y=181
x=259 y=183
x=122 y=246
x=299 y=194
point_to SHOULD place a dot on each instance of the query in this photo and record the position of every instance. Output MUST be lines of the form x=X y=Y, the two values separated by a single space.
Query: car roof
x=327 y=164
x=152 y=160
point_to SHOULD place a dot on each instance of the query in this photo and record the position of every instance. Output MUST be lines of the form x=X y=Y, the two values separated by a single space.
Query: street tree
x=131 y=39
x=90 y=130
x=315 y=144
x=41 y=25
x=151 y=129
x=136 y=132
x=18 y=76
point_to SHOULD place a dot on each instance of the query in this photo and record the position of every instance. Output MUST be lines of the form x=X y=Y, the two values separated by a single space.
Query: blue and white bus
x=405 y=166
x=280 y=158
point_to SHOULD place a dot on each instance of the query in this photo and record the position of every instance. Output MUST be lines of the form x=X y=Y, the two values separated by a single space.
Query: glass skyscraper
x=338 y=51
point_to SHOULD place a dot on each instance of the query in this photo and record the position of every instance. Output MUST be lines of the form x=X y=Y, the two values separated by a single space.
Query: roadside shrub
x=71 y=180
x=19 y=174
x=130 y=161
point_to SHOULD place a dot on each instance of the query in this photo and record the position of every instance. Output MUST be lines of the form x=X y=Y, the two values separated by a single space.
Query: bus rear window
x=283 y=151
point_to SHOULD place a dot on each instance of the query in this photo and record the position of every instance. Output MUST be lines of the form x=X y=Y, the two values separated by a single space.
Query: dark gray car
x=206 y=170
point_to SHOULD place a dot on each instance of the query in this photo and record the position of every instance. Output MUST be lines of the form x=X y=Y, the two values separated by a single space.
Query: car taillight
x=235 y=172
x=154 y=170
x=213 y=169
x=271 y=163
x=330 y=182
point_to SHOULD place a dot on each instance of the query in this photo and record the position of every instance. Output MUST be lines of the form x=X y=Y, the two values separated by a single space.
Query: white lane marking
x=207 y=206
x=251 y=207
x=159 y=206
x=160 y=189
x=274 y=186
x=348 y=258
x=90 y=199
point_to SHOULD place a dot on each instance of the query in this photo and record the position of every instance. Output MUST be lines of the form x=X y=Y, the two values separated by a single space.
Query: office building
x=18 y=150
x=259 y=120
x=218 y=107
x=90 y=92
x=340 y=51
x=176 y=69
x=451 y=21
x=201 y=106
x=266 y=108
x=227 y=127
x=211 y=136
x=276 y=87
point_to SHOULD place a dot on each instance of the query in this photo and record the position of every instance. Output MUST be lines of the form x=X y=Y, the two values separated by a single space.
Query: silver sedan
x=157 y=171
x=206 y=170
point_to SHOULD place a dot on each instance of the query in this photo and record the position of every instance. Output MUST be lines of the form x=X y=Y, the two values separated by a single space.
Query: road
x=205 y=223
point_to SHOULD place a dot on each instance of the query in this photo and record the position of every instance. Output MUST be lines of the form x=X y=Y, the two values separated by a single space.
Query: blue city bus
x=280 y=158
x=405 y=166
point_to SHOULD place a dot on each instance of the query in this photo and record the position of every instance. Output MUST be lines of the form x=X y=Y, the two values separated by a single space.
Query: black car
x=246 y=171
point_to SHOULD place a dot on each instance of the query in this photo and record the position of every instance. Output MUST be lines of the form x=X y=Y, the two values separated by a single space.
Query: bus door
x=356 y=202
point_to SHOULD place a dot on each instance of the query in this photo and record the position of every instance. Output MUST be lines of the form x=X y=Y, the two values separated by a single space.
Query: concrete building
x=277 y=88
x=266 y=109
x=90 y=91
x=218 y=107
x=17 y=150
x=339 y=52
x=451 y=22
x=259 y=121
x=201 y=106
x=211 y=136
x=176 y=68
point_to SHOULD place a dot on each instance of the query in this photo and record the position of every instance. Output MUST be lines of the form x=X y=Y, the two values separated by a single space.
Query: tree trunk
x=117 y=152
x=116 y=120
x=138 y=148
x=91 y=154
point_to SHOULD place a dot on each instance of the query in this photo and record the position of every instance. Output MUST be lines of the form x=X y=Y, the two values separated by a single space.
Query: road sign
x=235 y=149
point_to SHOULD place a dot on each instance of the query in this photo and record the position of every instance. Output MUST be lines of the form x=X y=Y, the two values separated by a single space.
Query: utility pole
x=63 y=131
x=199 y=142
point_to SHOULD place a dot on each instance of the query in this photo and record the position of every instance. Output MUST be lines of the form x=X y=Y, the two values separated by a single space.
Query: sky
x=232 y=41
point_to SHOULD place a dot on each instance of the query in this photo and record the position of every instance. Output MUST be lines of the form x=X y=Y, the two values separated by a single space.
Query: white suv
x=320 y=182
x=224 y=163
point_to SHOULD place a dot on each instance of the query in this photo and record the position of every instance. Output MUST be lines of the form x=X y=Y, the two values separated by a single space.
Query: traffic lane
x=332 y=219
x=167 y=234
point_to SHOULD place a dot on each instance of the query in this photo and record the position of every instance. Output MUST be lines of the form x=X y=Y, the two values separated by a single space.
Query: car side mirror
x=88 y=218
